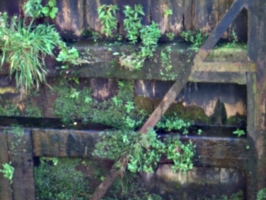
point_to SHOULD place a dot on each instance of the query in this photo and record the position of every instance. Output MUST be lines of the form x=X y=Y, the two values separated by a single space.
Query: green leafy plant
x=170 y=36
x=166 y=58
x=168 y=12
x=107 y=15
x=149 y=36
x=132 y=21
x=8 y=171
x=141 y=152
x=234 y=40
x=173 y=123
x=261 y=194
x=24 y=47
x=196 y=38
x=239 y=132
x=34 y=9
x=50 y=9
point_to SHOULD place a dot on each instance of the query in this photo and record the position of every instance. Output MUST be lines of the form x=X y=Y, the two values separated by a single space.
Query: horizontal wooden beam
x=226 y=65
x=210 y=151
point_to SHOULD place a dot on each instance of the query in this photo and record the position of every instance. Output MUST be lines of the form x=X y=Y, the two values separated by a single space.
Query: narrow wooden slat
x=5 y=186
x=20 y=148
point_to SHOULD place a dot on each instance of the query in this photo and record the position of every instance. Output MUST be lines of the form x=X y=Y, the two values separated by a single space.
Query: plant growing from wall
x=34 y=9
x=195 y=38
x=141 y=152
x=25 y=45
x=107 y=15
x=239 y=132
x=173 y=123
x=261 y=194
x=7 y=171
x=168 y=12
x=132 y=21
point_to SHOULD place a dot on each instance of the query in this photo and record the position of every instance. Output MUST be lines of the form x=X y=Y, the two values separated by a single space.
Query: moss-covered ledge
x=103 y=60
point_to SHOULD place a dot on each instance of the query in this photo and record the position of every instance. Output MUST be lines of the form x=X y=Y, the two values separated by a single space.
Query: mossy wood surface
x=101 y=61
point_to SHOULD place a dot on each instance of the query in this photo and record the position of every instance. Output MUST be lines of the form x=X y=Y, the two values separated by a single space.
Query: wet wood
x=63 y=143
x=257 y=82
x=79 y=19
x=21 y=156
x=5 y=186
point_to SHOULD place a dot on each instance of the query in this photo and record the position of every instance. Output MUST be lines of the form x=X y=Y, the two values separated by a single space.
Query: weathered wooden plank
x=220 y=152
x=210 y=151
x=171 y=23
x=70 y=18
x=63 y=143
x=20 y=148
x=257 y=88
x=5 y=186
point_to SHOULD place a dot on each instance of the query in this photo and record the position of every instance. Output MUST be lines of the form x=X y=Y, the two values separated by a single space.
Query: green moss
x=144 y=103
x=196 y=114
x=237 y=120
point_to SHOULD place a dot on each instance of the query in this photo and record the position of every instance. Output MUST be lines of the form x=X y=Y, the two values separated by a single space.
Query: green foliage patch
x=118 y=111
x=142 y=152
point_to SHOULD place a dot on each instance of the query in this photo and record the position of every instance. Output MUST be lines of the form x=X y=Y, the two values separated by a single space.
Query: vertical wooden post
x=21 y=156
x=257 y=88
x=5 y=186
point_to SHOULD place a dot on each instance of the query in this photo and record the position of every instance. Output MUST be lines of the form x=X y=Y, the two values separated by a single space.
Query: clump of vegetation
x=195 y=38
x=132 y=22
x=34 y=9
x=173 y=123
x=107 y=15
x=63 y=180
x=142 y=152
x=239 y=132
x=168 y=12
x=118 y=112
x=261 y=194
x=8 y=171
x=148 y=35
x=235 y=196
x=25 y=45
x=60 y=181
